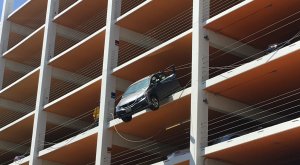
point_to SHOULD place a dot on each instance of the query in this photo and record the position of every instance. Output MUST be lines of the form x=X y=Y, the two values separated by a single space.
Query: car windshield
x=140 y=85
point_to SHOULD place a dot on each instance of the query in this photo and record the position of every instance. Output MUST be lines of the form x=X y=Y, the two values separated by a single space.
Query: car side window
x=168 y=78
x=157 y=78
x=162 y=77
x=153 y=80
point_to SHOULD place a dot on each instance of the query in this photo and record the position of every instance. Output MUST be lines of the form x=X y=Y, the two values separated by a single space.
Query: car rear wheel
x=127 y=118
x=154 y=103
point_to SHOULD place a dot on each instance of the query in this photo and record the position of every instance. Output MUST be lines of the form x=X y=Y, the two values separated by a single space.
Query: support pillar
x=4 y=34
x=40 y=117
x=108 y=85
x=199 y=109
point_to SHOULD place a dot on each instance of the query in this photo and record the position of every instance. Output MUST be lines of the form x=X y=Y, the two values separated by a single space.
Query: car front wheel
x=154 y=103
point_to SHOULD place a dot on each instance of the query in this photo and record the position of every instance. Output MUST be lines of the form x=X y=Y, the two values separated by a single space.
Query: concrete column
x=199 y=109
x=108 y=85
x=206 y=9
x=40 y=118
x=4 y=34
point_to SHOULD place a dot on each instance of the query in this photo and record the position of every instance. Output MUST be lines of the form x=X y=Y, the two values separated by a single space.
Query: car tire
x=127 y=118
x=154 y=105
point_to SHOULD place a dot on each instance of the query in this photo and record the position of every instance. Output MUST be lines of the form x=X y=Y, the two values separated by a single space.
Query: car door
x=167 y=86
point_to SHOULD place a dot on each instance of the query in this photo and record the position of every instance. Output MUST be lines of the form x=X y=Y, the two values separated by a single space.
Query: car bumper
x=122 y=111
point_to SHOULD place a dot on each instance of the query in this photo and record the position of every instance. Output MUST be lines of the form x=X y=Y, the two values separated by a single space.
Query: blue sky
x=16 y=5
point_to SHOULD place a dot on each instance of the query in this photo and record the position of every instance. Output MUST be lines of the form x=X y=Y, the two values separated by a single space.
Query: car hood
x=131 y=97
